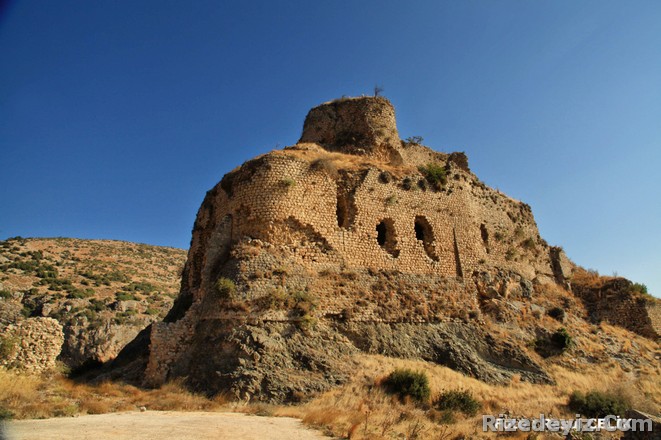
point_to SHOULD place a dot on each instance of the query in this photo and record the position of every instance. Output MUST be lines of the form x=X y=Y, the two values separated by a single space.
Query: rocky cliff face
x=355 y=241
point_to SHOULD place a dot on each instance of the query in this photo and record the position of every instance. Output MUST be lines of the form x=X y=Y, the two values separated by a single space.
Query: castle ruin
x=351 y=236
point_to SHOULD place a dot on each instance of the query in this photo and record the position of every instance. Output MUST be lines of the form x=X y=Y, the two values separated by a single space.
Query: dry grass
x=339 y=161
x=589 y=278
x=52 y=395
x=361 y=410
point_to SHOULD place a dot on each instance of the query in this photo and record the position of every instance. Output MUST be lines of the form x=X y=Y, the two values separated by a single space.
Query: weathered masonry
x=351 y=224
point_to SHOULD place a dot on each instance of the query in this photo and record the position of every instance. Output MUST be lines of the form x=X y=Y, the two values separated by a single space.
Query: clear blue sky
x=117 y=116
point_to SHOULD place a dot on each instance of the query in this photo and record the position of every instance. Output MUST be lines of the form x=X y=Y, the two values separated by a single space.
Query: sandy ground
x=162 y=425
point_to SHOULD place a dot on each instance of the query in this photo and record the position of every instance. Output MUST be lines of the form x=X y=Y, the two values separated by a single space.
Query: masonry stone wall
x=349 y=220
x=473 y=226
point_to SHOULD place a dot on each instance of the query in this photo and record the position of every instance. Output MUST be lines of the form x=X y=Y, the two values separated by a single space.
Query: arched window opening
x=425 y=234
x=385 y=236
x=342 y=212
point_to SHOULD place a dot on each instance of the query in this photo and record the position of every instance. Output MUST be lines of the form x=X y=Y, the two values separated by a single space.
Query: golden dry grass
x=313 y=152
x=52 y=395
x=359 y=409
x=363 y=411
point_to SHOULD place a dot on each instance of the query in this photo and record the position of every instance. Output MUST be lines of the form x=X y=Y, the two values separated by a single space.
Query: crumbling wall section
x=613 y=302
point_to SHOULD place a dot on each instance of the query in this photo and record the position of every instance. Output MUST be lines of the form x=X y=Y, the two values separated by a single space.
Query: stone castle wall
x=465 y=227
x=347 y=218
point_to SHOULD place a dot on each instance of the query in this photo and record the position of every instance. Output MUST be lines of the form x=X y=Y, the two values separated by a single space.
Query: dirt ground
x=162 y=425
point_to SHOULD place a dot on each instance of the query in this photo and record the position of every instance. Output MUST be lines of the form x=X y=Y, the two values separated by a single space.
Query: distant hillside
x=103 y=292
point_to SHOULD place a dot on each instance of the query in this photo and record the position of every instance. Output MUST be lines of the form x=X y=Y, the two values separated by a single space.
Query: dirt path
x=161 y=425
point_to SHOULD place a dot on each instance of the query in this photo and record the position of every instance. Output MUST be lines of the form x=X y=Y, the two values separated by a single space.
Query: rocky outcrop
x=32 y=345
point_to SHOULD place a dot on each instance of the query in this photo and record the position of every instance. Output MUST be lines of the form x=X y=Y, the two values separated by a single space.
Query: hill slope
x=102 y=292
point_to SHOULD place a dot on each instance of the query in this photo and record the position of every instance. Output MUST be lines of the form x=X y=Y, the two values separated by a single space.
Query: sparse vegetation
x=458 y=400
x=435 y=175
x=326 y=165
x=598 y=404
x=225 y=287
x=639 y=288
x=408 y=383
x=529 y=244
x=391 y=200
x=417 y=140
x=288 y=182
x=53 y=395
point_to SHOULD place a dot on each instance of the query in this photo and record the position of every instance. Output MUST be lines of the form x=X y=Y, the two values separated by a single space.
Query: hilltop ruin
x=350 y=241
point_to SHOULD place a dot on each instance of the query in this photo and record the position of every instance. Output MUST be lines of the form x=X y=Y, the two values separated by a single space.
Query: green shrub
x=458 y=400
x=557 y=313
x=391 y=200
x=528 y=243
x=638 y=288
x=435 y=174
x=288 y=182
x=124 y=296
x=97 y=305
x=598 y=404
x=408 y=383
x=81 y=293
x=5 y=294
x=225 y=287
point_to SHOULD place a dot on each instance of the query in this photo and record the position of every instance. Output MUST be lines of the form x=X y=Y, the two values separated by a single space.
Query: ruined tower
x=351 y=240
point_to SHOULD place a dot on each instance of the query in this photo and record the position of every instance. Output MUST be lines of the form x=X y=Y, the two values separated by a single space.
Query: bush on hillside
x=408 y=383
x=598 y=404
x=458 y=400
